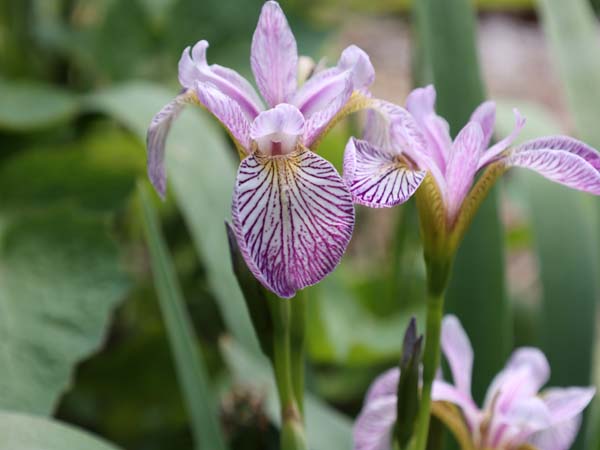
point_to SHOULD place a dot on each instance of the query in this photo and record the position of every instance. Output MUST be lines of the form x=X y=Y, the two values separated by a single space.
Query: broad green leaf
x=190 y=366
x=326 y=428
x=26 y=432
x=60 y=278
x=28 y=106
x=448 y=58
x=202 y=170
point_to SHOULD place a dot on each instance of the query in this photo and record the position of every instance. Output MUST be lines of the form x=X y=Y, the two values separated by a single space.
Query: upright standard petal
x=324 y=87
x=157 y=137
x=495 y=150
x=462 y=166
x=458 y=352
x=485 y=116
x=561 y=159
x=193 y=68
x=421 y=104
x=228 y=112
x=293 y=217
x=378 y=178
x=278 y=130
x=384 y=385
x=274 y=57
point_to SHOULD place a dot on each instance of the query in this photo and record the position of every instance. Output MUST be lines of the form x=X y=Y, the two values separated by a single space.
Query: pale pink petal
x=373 y=427
x=525 y=373
x=324 y=87
x=462 y=166
x=227 y=111
x=566 y=403
x=485 y=116
x=384 y=385
x=278 y=130
x=445 y=392
x=156 y=139
x=421 y=104
x=561 y=159
x=494 y=151
x=378 y=178
x=458 y=352
x=513 y=427
x=293 y=218
x=557 y=437
x=320 y=120
x=193 y=68
x=274 y=55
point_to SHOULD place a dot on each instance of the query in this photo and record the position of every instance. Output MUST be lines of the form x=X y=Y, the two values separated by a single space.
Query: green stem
x=437 y=278
x=292 y=428
x=298 y=344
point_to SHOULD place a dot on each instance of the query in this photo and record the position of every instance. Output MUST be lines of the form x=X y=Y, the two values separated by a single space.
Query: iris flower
x=292 y=213
x=405 y=148
x=514 y=416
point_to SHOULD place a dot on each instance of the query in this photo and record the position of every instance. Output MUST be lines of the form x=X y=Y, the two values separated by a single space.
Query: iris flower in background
x=292 y=213
x=514 y=416
x=404 y=148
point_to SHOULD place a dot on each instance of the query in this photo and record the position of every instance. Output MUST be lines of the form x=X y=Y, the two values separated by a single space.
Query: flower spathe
x=293 y=215
x=403 y=145
x=514 y=412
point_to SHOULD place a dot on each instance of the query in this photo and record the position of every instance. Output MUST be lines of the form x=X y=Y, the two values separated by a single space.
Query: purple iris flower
x=292 y=213
x=513 y=416
x=401 y=146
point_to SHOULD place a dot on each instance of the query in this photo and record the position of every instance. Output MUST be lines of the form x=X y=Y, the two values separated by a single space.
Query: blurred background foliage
x=83 y=334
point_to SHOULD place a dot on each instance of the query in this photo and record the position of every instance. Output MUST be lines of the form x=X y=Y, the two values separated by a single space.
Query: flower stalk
x=288 y=365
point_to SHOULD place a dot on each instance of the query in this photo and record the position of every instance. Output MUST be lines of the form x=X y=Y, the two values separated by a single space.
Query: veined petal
x=320 y=120
x=561 y=159
x=462 y=166
x=378 y=178
x=494 y=151
x=293 y=218
x=278 y=130
x=228 y=112
x=384 y=385
x=485 y=116
x=421 y=104
x=193 y=68
x=157 y=137
x=458 y=352
x=274 y=55
x=524 y=374
x=525 y=417
x=323 y=88
x=373 y=427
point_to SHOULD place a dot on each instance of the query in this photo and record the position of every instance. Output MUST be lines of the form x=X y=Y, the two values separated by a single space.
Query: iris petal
x=485 y=116
x=561 y=159
x=157 y=137
x=373 y=427
x=274 y=55
x=293 y=219
x=458 y=352
x=193 y=68
x=378 y=178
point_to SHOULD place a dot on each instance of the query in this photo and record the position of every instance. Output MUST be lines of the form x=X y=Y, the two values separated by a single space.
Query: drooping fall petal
x=561 y=159
x=274 y=55
x=157 y=137
x=293 y=217
x=193 y=68
x=373 y=427
x=378 y=178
